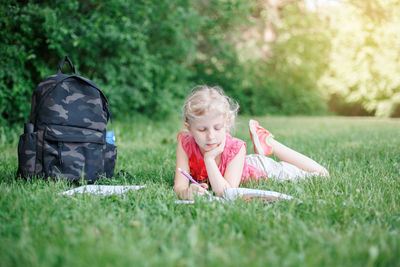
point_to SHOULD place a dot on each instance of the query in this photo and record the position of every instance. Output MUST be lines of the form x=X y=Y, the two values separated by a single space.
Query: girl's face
x=208 y=131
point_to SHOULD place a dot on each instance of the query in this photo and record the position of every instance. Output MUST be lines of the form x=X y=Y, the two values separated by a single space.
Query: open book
x=247 y=194
x=103 y=190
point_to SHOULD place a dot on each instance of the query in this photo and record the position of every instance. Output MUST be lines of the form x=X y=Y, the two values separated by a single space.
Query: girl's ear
x=187 y=125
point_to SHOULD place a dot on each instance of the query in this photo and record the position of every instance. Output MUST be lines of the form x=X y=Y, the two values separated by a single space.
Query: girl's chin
x=209 y=147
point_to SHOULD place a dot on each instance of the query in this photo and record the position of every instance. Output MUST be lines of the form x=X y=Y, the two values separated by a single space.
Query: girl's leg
x=299 y=160
x=264 y=144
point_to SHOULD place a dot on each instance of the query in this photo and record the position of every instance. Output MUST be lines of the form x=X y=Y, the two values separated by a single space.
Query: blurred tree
x=269 y=57
x=363 y=64
x=273 y=56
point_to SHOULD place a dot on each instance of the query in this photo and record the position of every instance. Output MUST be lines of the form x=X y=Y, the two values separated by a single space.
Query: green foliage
x=363 y=63
x=136 y=51
x=146 y=55
x=281 y=80
x=273 y=57
x=15 y=67
x=350 y=219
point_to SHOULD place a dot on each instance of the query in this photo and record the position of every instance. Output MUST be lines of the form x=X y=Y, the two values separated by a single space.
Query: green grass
x=350 y=219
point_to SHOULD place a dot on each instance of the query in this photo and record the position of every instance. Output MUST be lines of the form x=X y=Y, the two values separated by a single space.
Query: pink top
x=196 y=162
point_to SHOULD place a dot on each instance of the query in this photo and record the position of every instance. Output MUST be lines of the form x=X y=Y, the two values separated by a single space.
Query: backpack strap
x=70 y=64
x=125 y=174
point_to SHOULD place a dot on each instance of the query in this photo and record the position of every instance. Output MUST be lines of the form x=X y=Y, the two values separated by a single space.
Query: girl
x=215 y=158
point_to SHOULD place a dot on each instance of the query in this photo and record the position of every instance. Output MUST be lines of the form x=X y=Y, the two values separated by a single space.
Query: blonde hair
x=204 y=99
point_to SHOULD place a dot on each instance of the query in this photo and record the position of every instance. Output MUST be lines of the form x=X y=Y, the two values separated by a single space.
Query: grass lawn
x=350 y=219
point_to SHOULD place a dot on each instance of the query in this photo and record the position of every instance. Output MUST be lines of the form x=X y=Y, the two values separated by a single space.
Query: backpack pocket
x=73 y=153
x=110 y=158
x=27 y=154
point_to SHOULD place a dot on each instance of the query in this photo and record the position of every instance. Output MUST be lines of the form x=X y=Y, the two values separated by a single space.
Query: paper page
x=248 y=194
x=104 y=190
x=203 y=199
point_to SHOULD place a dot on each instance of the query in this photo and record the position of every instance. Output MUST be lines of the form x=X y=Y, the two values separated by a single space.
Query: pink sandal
x=261 y=138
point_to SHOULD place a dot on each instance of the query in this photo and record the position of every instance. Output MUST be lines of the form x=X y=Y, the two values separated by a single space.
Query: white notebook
x=247 y=194
x=104 y=190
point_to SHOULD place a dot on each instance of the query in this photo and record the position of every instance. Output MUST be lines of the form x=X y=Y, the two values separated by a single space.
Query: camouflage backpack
x=66 y=135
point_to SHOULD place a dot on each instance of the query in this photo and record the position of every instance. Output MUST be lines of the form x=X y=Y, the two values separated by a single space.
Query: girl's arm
x=181 y=186
x=233 y=172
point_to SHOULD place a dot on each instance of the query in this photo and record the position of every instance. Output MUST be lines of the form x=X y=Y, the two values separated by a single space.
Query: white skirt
x=281 y=170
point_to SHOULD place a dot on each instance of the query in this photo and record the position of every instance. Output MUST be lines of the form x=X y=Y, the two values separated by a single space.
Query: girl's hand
x=204 y=185
x=198 y=190
x=213 y=153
